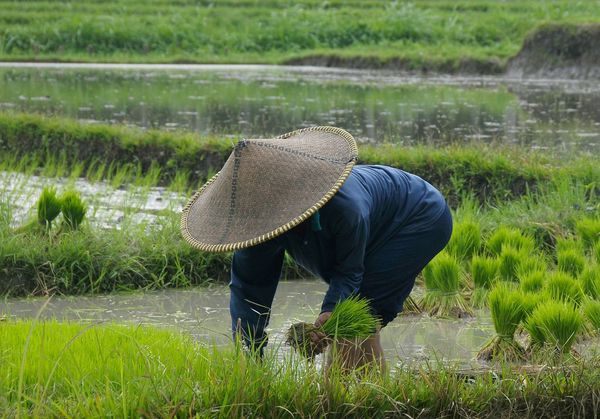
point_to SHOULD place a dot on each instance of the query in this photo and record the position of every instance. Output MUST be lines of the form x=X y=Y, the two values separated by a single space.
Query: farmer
x=365 y=230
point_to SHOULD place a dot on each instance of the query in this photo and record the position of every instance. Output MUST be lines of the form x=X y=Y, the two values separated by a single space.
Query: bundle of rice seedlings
x=596 y=252
x=73 y=209
x=571 y=261
x=562 y=287
x=555 y=324
x=590 y=281
x=531 y=263
x=350 y=319
x=506 y=236
x=442 y=293
x=589 y=230
x=48 y=207
x=591 y=310
x=507 y=310
x=510 y=260
x=563 y=244
x=484 y=271
x=532 y=282
x=465 y=240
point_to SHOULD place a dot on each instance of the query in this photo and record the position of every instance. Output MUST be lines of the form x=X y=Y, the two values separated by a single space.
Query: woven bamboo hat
x=268 y=186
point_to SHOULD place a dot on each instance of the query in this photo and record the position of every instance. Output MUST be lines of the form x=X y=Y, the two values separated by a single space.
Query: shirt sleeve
x=255 y=272
x=351 y=233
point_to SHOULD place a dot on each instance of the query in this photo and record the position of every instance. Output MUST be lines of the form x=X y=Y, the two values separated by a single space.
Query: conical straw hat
x=268 y=186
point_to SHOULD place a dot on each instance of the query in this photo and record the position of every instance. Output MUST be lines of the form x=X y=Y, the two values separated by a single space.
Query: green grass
x=423 y=35
x=53 y=369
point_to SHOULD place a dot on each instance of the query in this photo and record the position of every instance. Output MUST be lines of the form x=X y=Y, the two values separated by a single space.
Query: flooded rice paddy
x=204 y=313
x=265 y=100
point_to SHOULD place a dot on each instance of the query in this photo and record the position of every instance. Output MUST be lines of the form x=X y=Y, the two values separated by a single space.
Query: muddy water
x=265 y=100
x=204 y=313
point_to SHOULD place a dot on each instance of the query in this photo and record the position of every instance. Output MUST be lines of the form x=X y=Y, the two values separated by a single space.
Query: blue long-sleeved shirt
x=372 y=205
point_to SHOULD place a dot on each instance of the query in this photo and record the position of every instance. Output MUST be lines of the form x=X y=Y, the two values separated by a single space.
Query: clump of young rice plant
x=48 y=207
x=465 y=240
x=442 y=293
x=589 y=230
x=512 y=237
x=563 y=244
x=590 y=281
x=531 y=263
x=591 y=310
x=510 y=260
x=350 y=319
x=562 y=287
x=507 y=310
x=596 y=252
x=484 y=271
x=532 y=282
x=73 y=209
x=571 y=261
x=555 y=324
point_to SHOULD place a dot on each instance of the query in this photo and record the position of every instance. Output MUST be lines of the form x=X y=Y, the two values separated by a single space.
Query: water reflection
x=269 y=101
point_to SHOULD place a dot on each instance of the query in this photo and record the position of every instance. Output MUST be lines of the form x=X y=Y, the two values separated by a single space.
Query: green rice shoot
x=554 y=324
x=510 y=260
x=442 y=296
x=507 y=310
x=590 y=281
x=73 y=209
x=571 y=261
x=591 y=310
x=48 y=207
x=596 y=253
x=484 y=272
x=532 y=282
x=589 y=231
x=507 y=236
x=564 y=288
x=465 y=240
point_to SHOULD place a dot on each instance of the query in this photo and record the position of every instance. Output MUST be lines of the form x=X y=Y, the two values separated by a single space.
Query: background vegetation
x=424 y=35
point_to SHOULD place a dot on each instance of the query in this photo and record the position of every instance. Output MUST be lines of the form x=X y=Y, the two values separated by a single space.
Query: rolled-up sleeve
x=255 y=272
x=351 y=233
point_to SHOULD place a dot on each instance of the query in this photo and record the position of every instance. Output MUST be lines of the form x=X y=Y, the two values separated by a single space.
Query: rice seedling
x=509 y=237
x=509 y=261
x=555 y=324
x=591 y=310
x=531 y=263
x=596 y=253
x=73 y=209
x=563 y=244
x=589 y=230
x=562 y=287
x=590 y=281
x=465 y=240
x=48 y=207
x=350 y=319
x=484 y=271
x=571 y=262
x=442 y=293
x=507 y=310
x=532 y=282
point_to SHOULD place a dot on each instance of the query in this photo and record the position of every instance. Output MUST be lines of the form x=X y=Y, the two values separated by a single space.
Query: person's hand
x=319 y=339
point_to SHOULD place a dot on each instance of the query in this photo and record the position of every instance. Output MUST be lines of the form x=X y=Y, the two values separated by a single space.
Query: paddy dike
x=562 y=51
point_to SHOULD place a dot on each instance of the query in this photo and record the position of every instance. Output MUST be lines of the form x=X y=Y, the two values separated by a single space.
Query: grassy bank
x=427 y=35
x=63 y=146
x=55 y=369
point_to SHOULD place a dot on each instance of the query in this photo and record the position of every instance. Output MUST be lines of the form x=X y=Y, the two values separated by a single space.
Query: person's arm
x=255 y=272
x=350 y=230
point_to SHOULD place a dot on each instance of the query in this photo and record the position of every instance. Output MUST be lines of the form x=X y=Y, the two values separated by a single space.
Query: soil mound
x=559 y=51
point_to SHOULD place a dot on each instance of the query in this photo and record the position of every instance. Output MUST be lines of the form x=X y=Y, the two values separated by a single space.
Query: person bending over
x=366 y=230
